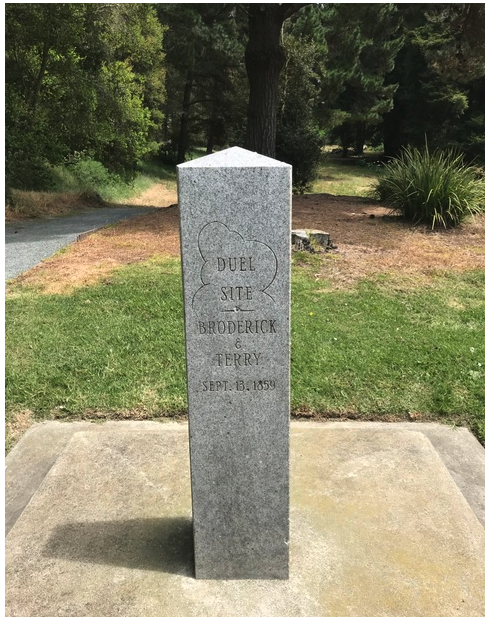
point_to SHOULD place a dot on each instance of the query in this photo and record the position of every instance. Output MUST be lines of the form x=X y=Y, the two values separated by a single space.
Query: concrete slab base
x=379 y=528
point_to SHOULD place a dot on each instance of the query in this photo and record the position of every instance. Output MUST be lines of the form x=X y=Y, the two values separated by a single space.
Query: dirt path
x=369 y=242
x=158 y=195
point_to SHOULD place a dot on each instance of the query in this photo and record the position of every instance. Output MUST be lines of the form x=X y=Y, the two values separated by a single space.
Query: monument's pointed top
x=234 y=157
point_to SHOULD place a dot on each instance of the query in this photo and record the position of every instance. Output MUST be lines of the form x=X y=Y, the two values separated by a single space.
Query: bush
x=85 y=174
x=299 y=139
x=437 y=188
x=168 y=153
x=300 y=146
x=92 y=174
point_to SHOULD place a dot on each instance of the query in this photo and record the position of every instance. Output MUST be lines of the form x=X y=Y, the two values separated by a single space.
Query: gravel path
x=29 y=242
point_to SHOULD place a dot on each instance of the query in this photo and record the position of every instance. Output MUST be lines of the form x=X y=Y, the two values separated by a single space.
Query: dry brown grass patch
x=35 y=204
x=17 y=425
x=157 y=195
x=369 y=242
x=97 y=255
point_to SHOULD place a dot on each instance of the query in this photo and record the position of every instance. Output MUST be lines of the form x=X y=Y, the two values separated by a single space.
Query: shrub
x=92 y=174
x=300 y=146
x=437 y=188
x=168 y=153
x=299 y=140
x=85 y=174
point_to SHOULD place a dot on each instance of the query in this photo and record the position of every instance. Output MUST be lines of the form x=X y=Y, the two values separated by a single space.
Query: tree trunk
x=183 y=136
x=359 y=137
x=393 y=133
x=210 y=142
x=264 y=58
x=40 y=76
x=212 y=122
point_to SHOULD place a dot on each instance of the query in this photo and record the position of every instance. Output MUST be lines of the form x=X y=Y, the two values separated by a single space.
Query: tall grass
x=89 y=175
x=84 y=183
x=437 y=188
x=86 y=174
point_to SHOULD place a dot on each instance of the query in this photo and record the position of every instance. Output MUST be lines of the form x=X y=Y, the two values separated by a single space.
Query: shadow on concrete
x=160 y=544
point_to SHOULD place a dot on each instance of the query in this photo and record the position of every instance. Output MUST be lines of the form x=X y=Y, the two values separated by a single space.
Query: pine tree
x=439 y=70
x=205 y=52
x=366 y=96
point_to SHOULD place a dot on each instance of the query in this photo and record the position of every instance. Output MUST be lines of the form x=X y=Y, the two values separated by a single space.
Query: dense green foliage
x=374 y=351
x=363 y=74
x=205 y=105
x=362 y=42
x=85 y=175
x=299 y=138
x=80 y=78
x=437 y=187
x=115 y=83
x=440 y=76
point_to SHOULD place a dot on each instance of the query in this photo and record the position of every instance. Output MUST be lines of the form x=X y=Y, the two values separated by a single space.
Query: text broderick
x=240 y=326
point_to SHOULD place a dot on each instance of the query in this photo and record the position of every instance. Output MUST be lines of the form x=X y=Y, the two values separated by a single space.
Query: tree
x=355 y=48
x=35 y=43
x=299 y=138
x=347 y=90
x=440 y=71
x=452 y=37
x=205 y=49
x=80 y=77
x=264 y=58
x=366 y=97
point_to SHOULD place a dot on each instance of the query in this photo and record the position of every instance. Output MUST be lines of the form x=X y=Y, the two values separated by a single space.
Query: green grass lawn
x=340 y=176
x=152 y=171
x=336 y=175
x=117 y=349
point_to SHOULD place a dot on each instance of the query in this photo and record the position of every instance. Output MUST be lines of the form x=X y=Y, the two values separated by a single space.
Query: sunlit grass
x=345 y=176
x=155 y=171
x=117 y=349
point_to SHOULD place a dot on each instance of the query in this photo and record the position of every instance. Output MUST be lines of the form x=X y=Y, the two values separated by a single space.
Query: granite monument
x=235 y=222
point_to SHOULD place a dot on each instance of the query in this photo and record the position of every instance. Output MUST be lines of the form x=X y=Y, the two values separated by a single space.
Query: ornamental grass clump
x=437 y=188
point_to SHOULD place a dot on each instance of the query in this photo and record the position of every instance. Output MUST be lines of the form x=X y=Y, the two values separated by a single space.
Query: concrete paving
x=27 y=243
x=100 y=524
